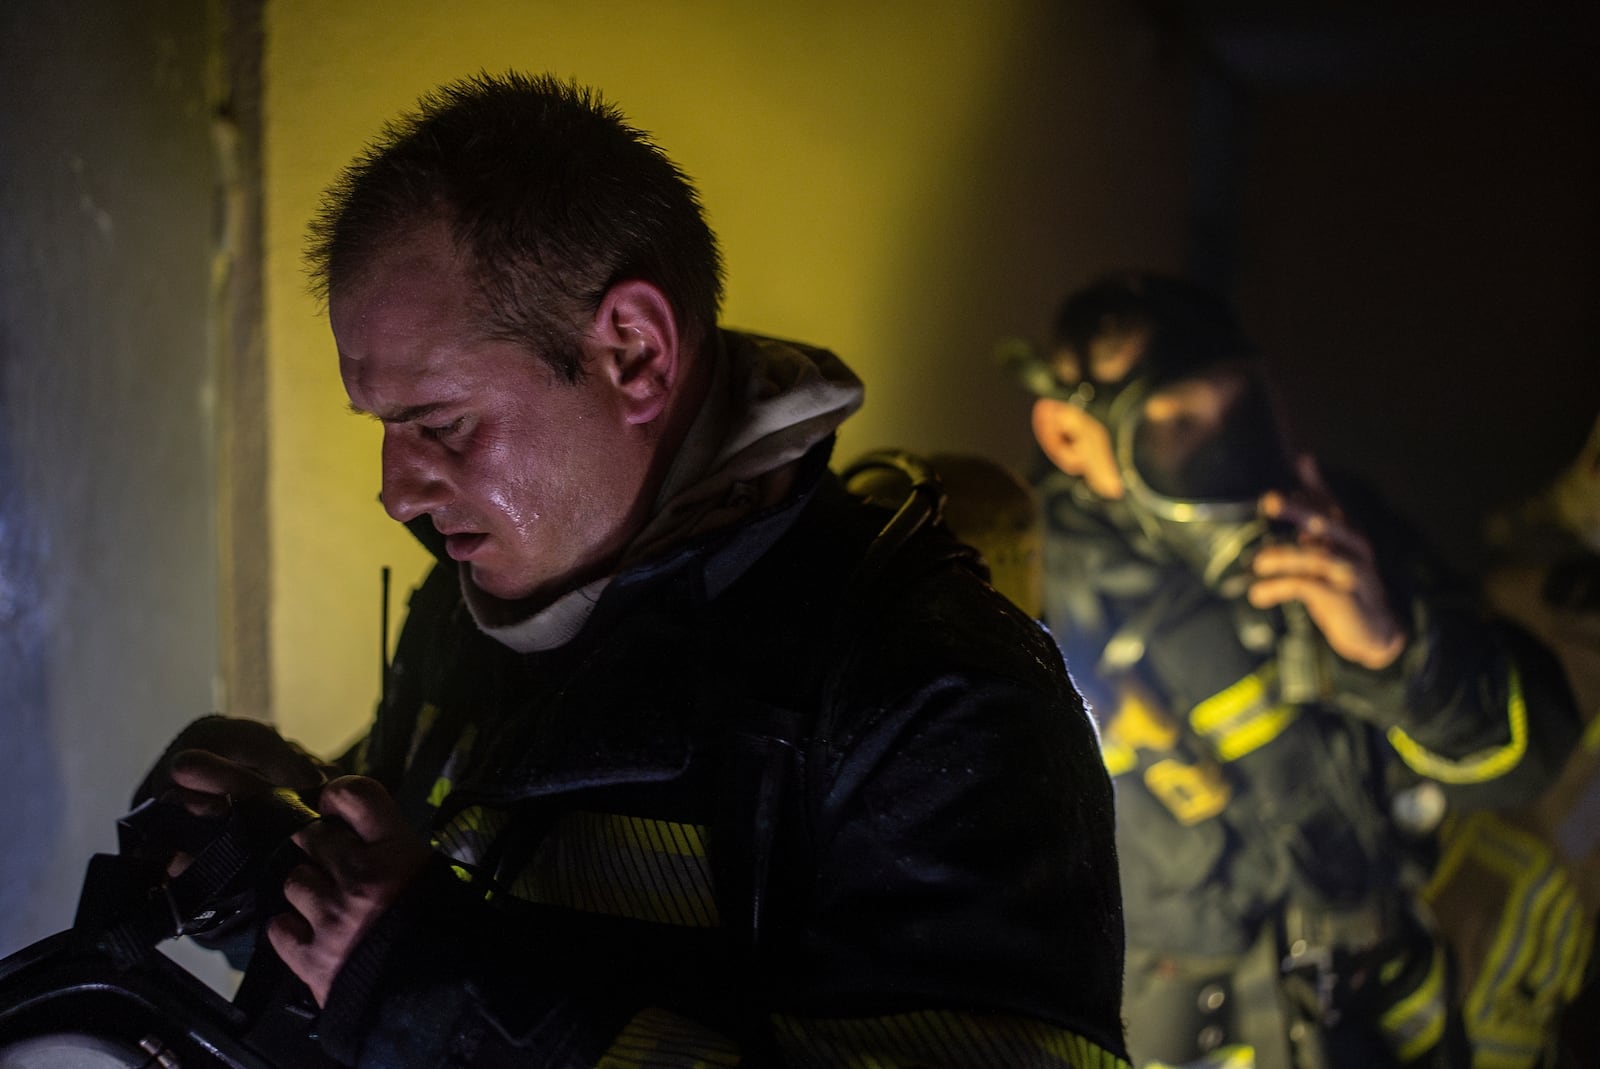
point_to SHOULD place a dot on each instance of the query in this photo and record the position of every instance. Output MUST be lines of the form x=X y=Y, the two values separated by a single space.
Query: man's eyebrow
x=399 y=415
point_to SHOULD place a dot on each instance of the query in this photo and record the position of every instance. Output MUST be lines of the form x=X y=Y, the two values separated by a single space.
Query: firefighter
x=1291 y=694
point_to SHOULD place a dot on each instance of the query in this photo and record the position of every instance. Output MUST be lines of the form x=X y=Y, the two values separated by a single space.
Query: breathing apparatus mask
x=1194 y=452
x=1195 y=457
x=1195 y=448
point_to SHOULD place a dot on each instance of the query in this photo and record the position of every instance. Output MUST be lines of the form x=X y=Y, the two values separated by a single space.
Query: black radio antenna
x=383 y=640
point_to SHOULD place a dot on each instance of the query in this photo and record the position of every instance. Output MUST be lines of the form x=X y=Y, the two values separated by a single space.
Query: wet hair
x=551 y=195
x=1188 y=328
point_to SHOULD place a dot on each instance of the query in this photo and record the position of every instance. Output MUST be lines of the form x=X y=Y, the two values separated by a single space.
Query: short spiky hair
x=553 y=197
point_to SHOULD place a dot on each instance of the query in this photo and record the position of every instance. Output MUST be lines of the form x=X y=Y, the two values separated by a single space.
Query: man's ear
x=1078 y=444
x=638 y=336
x=1047 y=420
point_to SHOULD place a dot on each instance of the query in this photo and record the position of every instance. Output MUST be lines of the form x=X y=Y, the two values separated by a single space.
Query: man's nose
x=412 y=481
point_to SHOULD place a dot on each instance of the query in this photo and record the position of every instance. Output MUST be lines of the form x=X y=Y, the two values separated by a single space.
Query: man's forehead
x=409 y=254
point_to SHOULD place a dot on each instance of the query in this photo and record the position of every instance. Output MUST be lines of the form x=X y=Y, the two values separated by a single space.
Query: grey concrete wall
x=108 y=588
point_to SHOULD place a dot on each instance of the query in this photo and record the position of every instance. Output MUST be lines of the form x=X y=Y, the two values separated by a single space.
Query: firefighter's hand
x=360 y=857
x=216 y=757
x=1330 y=569
x=219 y=760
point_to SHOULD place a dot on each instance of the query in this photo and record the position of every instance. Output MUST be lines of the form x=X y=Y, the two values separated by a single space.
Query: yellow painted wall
x=902 y=181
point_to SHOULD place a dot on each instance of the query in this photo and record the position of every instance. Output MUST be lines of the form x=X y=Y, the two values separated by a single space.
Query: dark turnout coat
x=1248 y=818
x=795 y=794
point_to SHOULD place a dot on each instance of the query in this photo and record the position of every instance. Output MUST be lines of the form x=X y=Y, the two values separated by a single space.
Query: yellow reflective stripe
x=1242 y=718
x=1213 y=714
x=657 y=1039
x=936 y=1037
x=1591 y=733
x=1117 y=757
x=1415 y=1024
x=439 y=791
x=478 y=820
x=624 y=866
x=458 y=754
x=1236 y=1056
x=425 y=720
x=1076 y=1051
x=1554 y=946
x=1255 y=733
x=1539 y=953
x=1137 y=725
x=1574 y=945
x=466 y=837
x=1140 y=725
x=1193 y=793
x=1479 y=767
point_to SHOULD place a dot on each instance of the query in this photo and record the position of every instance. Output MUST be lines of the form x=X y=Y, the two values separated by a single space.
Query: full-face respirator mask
x=1193 y=481
x=1195 y=452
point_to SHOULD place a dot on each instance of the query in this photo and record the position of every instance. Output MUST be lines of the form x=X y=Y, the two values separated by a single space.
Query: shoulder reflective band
x=1479 y=767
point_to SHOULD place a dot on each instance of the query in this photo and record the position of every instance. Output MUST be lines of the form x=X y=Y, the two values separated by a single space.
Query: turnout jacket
x=1243 y=812
x=794 y=795
x=1232 y=799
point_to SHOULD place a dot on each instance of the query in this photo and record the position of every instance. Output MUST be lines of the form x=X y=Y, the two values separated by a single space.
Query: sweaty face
x=536 y=484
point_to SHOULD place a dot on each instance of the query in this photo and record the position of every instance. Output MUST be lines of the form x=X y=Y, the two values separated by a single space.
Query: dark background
x=1402 y=199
